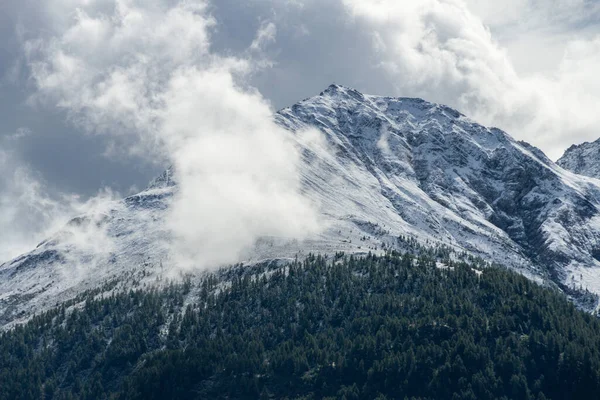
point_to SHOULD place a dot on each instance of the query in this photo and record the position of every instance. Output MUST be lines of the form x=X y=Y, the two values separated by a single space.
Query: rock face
x=380 y=168
x=583 y=159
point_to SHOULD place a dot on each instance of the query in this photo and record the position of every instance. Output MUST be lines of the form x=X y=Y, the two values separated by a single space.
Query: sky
x=90 y=89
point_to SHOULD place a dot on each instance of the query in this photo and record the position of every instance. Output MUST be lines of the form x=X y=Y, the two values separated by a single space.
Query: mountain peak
x=336 y=90
x=582 y=159
x=164 y=180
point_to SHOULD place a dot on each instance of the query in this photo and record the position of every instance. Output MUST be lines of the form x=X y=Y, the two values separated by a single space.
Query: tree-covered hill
x=357 y=328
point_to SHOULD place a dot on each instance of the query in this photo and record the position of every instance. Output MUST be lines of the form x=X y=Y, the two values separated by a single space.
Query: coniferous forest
x=390 y=327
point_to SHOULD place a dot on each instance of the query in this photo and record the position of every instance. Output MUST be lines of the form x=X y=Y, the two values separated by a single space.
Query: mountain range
x=390 y=173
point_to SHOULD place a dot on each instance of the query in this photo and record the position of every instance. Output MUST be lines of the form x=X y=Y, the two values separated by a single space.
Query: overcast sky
x=80 y=80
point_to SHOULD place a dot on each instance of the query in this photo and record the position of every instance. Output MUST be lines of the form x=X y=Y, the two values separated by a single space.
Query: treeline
x=390 y=327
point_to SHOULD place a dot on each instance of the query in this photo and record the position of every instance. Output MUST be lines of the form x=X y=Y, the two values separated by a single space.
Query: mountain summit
x=583 y=159
x=390 y=173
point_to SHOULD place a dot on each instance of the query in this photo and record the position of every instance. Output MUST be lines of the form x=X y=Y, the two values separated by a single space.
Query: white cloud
x=383 y=142
x=439 y=50
x=237 y=171
x=527 y=15
x=20 y=133
x=106 y=65
x=265 y=35
x=146 y=70
x=24 y=210
x=30 y=214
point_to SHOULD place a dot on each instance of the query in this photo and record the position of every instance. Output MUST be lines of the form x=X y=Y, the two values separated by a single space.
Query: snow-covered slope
x=583 y=159
x=427 y=170
x=386 y=167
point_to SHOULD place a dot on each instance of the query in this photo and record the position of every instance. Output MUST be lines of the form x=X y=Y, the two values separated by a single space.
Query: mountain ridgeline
x=386 y=327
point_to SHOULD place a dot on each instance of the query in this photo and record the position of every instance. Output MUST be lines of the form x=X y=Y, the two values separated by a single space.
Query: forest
x=376 y=327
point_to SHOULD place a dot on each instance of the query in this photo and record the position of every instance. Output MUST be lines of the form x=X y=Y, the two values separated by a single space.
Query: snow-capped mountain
x=386 y=168
x=440 y=176
x=583 y=159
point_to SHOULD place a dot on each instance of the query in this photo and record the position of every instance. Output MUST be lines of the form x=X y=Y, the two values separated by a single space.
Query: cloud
x=236 y=169
x=440 y=50
x=85 y=243
x=24 y=210
x=527 y=15
x=29 y=213
x=265 y=35
x=106 y=64
x=145 y=71
x=20 y=133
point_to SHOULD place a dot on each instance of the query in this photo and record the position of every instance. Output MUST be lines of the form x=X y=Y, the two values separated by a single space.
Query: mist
x=30 y=213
